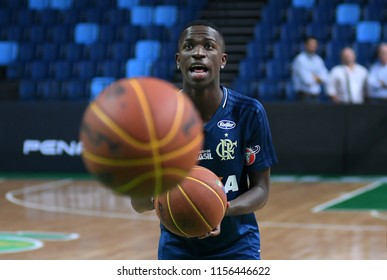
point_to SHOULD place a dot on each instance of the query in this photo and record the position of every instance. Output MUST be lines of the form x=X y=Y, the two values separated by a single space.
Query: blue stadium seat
x=60 y=34
x=27 y=51
x=69 y=17
x=74 y=90
x=107 y=33
x=8 y=52
x=333 y=49
x=98 y=84
x=348 y=14
x=15 y=33
x=5 y=17
x=62 y=70
x=164 y=69
x=49 y=90
x=147 y=49
x=298 y=15
x=250 y=69
x=48 y=51
x=15 y=70
x=103 y=4
x=303 y=3
x=38 y=4
x=86 y=33
x=273 y=14
x=277 y=69
x=165 y=15
x=155 y=32
x=323 y=14
x=291 y=32
x=120 y=51
x=112 y=68
x=27 y=90
x=127 y=4
x=47 y=17
x=85 y=69
x=385 y=32
x=37 y=70
x=91 y=15
x=283 y=50
x=344 y=33
x=72 y=52
x=60 y=4
x=373 y=13
x=264 y=32
x=368 y=32
x=138 y=68
x=117 y=16
x=129 y=33
x=25 y=17
x=142 y=15
x=365 y=52
x=269 y=90
x=290 y=92
x=36 y=33
x=257 y=50
x=319 y=31
x=95 y=52
x=243 y=86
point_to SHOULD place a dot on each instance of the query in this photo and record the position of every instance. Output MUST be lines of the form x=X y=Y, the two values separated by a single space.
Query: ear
x=177 y=58
x=224 y=59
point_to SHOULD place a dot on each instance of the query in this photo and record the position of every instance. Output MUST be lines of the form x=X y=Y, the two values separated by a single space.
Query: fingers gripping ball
x=140 y=136
x=194 y=207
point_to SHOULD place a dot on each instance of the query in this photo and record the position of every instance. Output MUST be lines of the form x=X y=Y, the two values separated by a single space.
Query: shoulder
x=242 y=102
x=375 y=67
x=361 y=68
x=299 y=57
x=337 y=69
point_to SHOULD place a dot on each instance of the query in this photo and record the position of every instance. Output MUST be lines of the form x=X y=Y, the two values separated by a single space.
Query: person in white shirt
x=348 y=81
x=377 y=79
x=309 y=72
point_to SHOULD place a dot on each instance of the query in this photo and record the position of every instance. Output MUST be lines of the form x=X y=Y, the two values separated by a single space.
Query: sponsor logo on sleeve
x=250 y=154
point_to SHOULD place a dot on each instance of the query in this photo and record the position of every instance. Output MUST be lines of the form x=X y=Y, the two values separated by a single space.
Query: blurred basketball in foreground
x=195 y=207
x=140 y=136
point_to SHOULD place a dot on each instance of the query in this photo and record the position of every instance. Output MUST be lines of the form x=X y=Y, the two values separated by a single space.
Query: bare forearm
x=250 y=201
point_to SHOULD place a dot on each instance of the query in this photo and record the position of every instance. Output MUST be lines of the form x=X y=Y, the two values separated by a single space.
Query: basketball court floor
x=307 y=217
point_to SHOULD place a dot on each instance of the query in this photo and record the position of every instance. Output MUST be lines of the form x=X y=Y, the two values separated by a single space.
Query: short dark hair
x=202 y=22
x=308 y=38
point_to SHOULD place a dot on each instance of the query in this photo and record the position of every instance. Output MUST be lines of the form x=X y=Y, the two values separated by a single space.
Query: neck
x=350 y=66
x=206 y=100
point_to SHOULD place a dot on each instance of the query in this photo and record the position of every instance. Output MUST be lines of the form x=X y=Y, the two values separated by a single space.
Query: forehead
x=200 y=32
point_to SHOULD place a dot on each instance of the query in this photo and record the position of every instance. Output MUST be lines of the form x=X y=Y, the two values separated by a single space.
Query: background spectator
x=348 y=81
x=377 y=80
x=309 y=71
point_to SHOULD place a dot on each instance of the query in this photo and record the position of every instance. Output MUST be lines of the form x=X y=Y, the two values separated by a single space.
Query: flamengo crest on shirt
x=225 y=149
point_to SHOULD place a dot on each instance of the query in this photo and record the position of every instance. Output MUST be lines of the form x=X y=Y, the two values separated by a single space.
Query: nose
x=198 y=52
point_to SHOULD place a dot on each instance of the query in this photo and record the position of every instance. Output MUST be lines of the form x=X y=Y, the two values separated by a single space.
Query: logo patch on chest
x=225 y=149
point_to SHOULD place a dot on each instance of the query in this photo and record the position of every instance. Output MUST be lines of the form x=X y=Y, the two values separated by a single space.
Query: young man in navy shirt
x=237 y=147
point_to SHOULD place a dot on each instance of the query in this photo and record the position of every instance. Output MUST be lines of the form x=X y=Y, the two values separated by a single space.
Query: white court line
x=10 y=196
x=135 y=216
x=379 y=215
x=349 y=195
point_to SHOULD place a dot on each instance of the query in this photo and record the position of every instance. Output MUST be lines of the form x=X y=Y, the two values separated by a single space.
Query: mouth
x=198 y=71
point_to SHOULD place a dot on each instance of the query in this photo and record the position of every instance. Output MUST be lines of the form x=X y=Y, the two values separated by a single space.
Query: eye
x=187 y=46
x=209 y=46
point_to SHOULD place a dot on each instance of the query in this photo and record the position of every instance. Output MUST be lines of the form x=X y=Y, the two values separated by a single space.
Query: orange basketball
x=140 y=136
x=195 y=207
